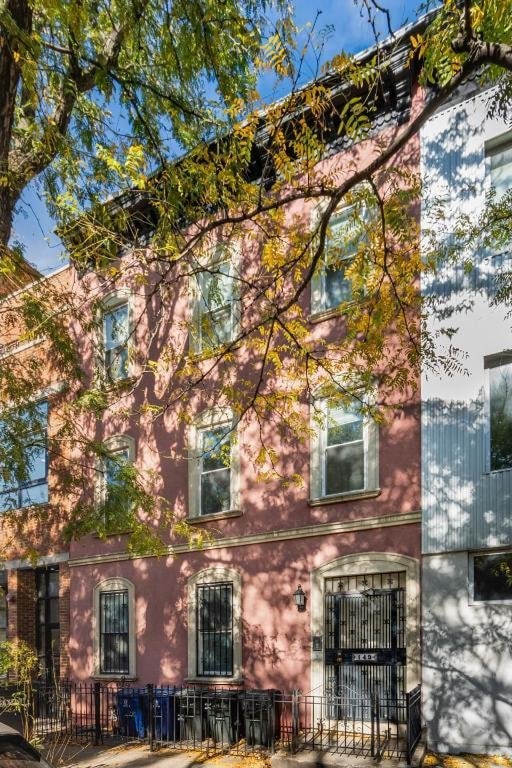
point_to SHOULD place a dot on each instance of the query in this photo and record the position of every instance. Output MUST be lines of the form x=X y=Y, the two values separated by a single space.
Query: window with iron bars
x=215 y=630
x=114 y=633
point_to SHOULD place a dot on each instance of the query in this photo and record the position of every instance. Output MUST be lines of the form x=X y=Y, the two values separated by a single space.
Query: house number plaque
x=364 y=657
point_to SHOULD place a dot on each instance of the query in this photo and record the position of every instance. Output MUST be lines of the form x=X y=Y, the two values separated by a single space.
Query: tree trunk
x=12 y=51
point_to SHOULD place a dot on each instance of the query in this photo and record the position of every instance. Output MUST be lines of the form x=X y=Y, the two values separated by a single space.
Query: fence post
x=295 y=718
x=151 y=715
x=97 y=713
x=372 y=717
x=408 y=726
x=272 y=721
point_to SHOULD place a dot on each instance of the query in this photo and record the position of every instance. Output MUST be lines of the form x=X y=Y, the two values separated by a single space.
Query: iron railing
x=413 y=712
x=216 y=718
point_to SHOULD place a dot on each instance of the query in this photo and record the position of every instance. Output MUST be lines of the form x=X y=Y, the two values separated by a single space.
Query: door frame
x=364 y=564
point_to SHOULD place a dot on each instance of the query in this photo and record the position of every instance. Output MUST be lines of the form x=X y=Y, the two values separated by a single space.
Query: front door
x=365 y=652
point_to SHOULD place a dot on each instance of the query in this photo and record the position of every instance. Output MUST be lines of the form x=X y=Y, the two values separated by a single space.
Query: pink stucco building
x=349 y=535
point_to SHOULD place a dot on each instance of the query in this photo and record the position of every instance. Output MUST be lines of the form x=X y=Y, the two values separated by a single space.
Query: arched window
x=215 y=624
x=114 y=628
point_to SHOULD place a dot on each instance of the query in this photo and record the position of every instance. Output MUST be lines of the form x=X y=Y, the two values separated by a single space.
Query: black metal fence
x=216 y=719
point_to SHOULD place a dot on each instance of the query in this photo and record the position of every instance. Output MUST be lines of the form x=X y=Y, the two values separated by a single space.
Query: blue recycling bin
x=130 y=708
x=165 y=715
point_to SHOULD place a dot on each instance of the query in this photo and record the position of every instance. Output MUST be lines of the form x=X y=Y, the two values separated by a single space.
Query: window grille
x=114 y=633
x=215 y=630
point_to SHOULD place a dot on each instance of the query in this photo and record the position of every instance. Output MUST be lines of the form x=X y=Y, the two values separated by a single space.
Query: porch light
x=300 y=598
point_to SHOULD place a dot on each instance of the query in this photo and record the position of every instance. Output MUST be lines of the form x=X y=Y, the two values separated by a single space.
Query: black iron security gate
x=365 y=653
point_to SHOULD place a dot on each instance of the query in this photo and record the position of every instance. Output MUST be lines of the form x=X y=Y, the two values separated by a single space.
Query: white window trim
x=214 y=417
x=361 y=564
x=215 y=575
x=317 y=301
x=111 y=585
x=109 y=302
x=221 y=254
x=471 y=578
x=318 y=410
x=111 y=444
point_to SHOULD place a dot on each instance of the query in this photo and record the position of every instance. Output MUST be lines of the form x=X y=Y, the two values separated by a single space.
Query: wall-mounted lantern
x=299 y=597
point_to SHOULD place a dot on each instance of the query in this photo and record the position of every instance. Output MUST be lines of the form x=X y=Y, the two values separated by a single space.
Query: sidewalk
x=139 y=756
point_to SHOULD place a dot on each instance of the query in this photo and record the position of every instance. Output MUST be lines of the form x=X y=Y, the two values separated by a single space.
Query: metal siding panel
x=464 y=507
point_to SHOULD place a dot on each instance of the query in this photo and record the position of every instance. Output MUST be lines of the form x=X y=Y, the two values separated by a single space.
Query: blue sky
x=343 y=27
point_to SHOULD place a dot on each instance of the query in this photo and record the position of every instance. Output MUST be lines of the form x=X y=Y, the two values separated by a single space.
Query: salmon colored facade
x=227 y=613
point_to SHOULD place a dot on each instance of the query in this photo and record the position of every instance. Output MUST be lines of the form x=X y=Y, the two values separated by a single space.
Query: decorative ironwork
x=365 y=642
x=215 y=629
x=217 y=719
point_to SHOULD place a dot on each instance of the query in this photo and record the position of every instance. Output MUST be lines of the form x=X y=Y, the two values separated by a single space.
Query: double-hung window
x=500 y=410
x=331 y=285
x=215 y=629
x=215 y=306
x=114 y=632
x=112 y=492
x=116 y=332
x=215 y=469
x=344 y=450
x=24 y=480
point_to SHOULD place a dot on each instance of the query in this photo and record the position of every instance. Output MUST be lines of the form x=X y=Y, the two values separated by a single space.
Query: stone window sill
x=217 y=516
x=325 y=314
x=103 y=677
x=341 y=497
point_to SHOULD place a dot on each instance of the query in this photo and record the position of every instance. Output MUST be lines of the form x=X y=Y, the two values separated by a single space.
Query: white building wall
x=464 y=505
x=467 y=663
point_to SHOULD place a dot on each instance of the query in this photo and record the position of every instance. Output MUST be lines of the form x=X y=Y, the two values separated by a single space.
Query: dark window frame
x=17 y=491
x=49 y=658
x=478 y=592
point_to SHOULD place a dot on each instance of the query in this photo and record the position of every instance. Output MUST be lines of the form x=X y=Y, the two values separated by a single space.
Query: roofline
x=38 y=281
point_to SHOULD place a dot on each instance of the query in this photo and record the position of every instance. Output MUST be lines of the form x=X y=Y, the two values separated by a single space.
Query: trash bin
x=191 y=715
x=222 y=715
x=165 y=714
x=260 y=717
x=131 y=713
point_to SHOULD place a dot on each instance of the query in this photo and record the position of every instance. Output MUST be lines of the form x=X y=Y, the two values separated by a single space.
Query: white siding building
x=467 y=452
